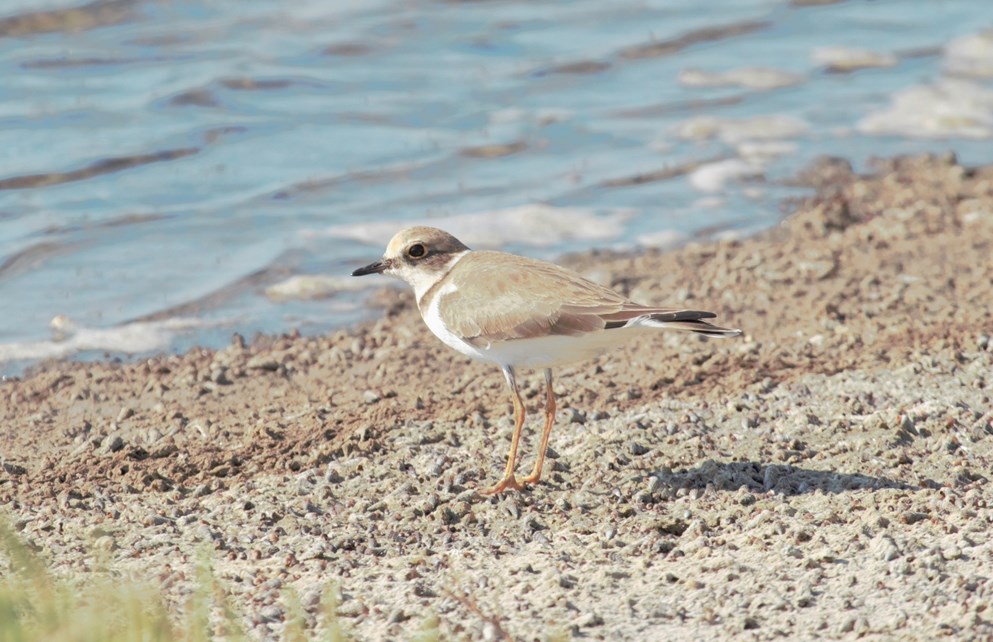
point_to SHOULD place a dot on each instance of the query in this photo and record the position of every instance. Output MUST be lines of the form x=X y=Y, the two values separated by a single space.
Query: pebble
x=219 y=375
x=590 y=620
x=262 y=362
x=351 y=609
x=12 y=469
x=512 y=508
x=574 y=416
x=449 y=516
x=271 y=613
x=637 y=448
x=112 y=443
x=396 y=616
x=105 y=544
x=884 y=548
x=655 y=484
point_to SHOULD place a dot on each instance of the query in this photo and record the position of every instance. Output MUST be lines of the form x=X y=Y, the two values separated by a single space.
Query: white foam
x=535 y=224
x=760 y=78
x=732 y=234
x=948 y=109
x=70 y=339
x=753 y=192
x=714 y=177
x=971 y=55
x=734 y=131
x=661 y=145
x=661 y=239
x=315 y=286
x=709 y=203
x=765 y=150
x=851 y=58
x=518 y=115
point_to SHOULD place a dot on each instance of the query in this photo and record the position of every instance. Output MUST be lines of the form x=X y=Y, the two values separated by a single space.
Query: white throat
x=423 y=280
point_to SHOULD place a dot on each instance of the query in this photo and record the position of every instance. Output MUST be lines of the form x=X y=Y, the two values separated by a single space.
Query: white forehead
x=399 y=241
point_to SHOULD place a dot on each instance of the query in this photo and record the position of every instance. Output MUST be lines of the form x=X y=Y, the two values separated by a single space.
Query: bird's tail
x=684 y=320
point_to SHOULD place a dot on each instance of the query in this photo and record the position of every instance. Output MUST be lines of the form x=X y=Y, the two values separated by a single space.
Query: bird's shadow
x=783 y=479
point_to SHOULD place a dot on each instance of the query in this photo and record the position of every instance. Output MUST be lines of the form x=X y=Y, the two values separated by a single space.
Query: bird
x=520 y=313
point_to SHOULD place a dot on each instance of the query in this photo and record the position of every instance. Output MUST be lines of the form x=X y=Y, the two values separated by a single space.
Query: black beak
x=372 y=268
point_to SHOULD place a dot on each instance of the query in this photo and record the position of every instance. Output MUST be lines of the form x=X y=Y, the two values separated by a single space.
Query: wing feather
x=512 y=297
x=501 y=297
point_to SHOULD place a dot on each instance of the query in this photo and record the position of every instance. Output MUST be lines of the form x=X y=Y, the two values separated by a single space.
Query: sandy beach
x=825 y=476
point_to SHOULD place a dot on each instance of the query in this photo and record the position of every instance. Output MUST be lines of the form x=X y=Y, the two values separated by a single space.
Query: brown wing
x=512 y=297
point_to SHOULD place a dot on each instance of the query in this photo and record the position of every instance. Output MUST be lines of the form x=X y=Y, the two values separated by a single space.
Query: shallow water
x=169 y=171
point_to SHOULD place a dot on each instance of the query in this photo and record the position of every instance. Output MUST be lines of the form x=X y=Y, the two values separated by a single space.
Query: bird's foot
x=531 y=479
x=509 y=482
x=512 y=482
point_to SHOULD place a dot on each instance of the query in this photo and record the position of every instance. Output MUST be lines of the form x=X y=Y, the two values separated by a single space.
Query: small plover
x=520 y=313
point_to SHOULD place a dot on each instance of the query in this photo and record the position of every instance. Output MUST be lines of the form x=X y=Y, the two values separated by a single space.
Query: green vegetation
x=35 y=606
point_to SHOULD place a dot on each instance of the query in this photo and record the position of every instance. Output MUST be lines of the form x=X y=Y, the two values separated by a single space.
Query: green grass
x=35 y=606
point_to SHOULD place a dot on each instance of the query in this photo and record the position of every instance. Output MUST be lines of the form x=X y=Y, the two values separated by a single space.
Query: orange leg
x=535 y=475
x=509 y=481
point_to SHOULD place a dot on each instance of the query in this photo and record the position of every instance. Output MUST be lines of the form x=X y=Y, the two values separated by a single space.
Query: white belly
x=556 y=350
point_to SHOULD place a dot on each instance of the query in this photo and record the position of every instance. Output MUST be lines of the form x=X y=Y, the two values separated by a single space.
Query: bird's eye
x=416 y=251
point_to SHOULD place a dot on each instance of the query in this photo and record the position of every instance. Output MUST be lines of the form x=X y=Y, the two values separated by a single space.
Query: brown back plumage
x=501 y=297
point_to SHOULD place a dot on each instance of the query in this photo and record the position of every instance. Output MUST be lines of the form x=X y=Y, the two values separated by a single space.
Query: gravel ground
x=825 y=476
